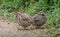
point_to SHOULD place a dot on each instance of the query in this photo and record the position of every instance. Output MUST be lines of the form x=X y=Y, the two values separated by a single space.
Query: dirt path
x=8 y=29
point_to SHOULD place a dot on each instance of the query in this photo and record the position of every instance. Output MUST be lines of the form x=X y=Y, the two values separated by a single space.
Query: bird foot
x=20 y=28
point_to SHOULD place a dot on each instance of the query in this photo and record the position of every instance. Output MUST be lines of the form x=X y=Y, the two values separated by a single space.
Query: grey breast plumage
x=39 y=18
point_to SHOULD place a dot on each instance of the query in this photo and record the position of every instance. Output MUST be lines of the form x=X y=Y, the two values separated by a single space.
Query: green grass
x=7 y=15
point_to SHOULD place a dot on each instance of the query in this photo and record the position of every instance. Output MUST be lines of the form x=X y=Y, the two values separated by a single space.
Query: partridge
x=39 y=19
x=23 y=19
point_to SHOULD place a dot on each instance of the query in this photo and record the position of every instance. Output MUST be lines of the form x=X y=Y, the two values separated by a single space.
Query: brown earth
x=9 y=29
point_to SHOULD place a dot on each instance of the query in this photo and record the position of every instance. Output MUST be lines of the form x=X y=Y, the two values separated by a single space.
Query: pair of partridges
x=25 y=20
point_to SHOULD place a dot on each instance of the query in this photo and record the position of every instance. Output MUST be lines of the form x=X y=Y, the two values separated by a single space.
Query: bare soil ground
x=9 y=29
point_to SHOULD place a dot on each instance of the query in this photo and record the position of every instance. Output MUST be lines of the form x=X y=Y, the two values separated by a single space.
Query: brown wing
x=23 y=20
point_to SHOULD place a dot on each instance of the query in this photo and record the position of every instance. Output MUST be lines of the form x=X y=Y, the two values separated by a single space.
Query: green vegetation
x=50 y=7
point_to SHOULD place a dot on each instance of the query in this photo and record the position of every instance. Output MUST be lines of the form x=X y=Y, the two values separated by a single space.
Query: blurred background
x=50 y=7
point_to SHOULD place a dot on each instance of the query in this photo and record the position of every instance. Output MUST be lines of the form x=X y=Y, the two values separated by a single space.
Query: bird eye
x=43 y=14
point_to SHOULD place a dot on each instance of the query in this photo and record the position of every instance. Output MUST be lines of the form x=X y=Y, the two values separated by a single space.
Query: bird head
x=17 y=12
x=41 y=13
